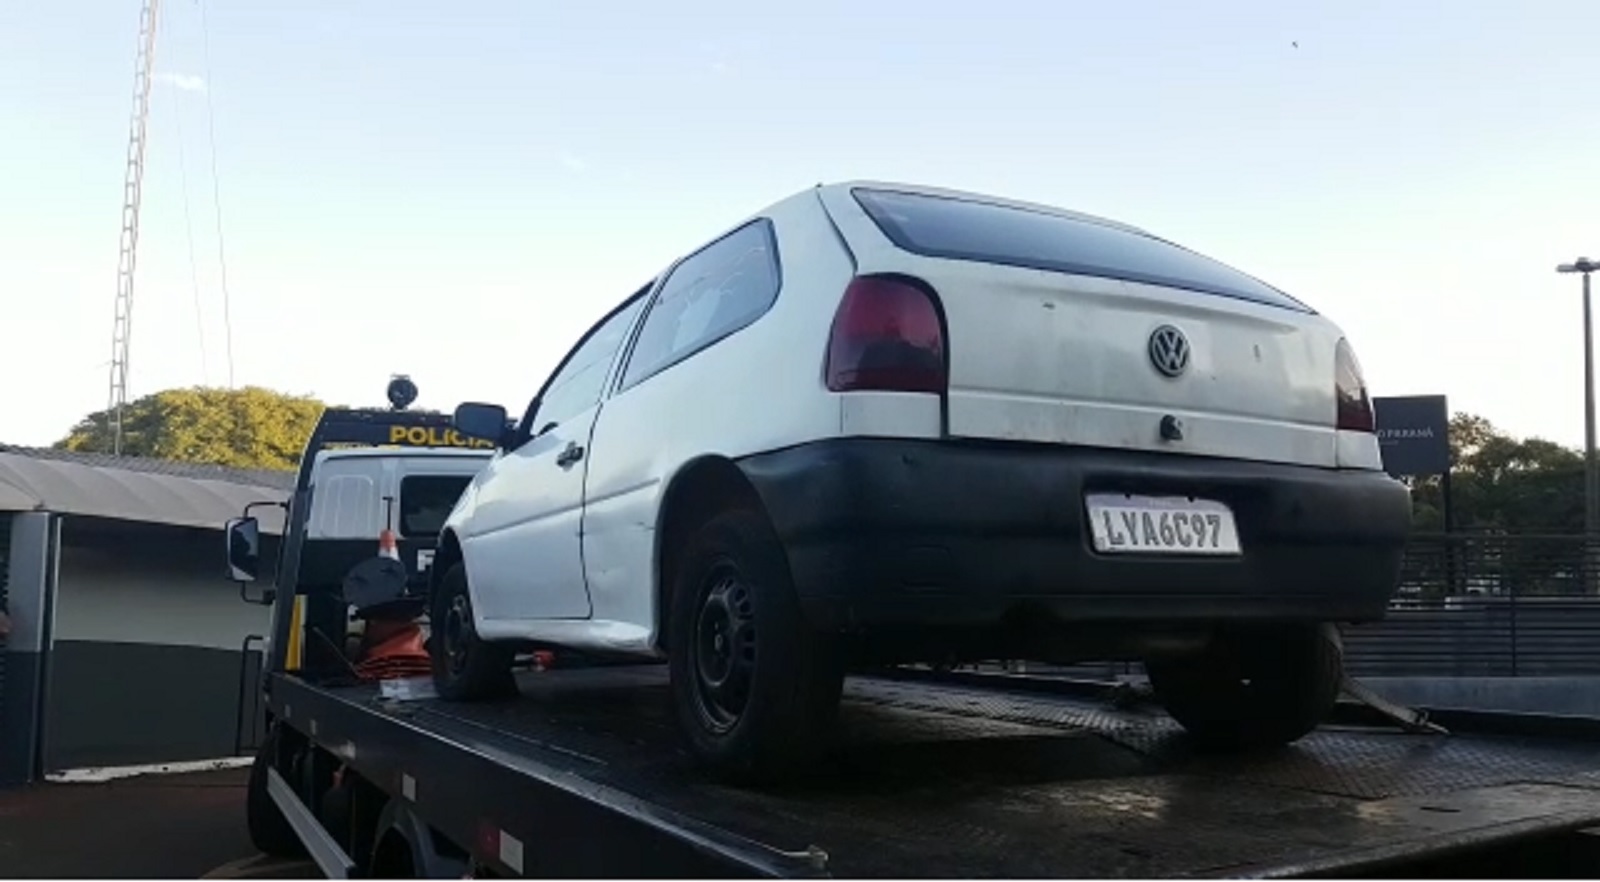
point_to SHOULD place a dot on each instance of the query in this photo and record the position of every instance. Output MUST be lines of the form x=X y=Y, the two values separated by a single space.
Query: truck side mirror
x=244 y=548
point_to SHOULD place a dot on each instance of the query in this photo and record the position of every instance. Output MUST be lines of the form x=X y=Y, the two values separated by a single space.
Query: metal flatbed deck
x=582 y=775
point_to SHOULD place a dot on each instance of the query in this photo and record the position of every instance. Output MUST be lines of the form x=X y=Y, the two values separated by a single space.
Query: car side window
x=576 y=386
x=714 y=292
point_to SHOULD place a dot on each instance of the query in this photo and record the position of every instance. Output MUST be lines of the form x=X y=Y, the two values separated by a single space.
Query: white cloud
x=573 y=163
x=182 y=82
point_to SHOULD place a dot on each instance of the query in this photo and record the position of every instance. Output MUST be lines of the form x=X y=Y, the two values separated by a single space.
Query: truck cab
x=361 y=491
x=364 y=472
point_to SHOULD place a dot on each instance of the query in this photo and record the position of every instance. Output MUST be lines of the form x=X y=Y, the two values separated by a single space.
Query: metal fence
x=1498 y=565
x=1488 y=605
x=1471 y=605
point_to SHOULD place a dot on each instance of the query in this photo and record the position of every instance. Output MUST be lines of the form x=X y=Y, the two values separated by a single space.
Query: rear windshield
x=962 y=229
x=425 y=502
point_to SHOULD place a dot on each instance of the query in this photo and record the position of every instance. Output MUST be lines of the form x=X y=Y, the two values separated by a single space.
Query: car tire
x=1253 y=690
x=465 y=667
x=755 y=690
x=269 y=830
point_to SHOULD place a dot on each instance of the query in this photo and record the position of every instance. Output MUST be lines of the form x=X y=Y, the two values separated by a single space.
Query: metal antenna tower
x=127 y=256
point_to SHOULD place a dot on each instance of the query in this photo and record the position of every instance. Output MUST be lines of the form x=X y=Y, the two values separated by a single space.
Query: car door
x=523 y=544
x=680 y=357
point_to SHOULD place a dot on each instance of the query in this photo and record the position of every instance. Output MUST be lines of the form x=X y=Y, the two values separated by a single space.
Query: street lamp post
x=1591 y=471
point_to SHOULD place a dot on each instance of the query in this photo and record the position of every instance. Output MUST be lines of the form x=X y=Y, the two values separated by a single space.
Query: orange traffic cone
x=393 y=650
x=387 y=547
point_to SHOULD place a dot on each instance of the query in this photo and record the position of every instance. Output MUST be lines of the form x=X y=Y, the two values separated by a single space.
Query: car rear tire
x=465 y=667
x=1255 y=690
x=754 y=688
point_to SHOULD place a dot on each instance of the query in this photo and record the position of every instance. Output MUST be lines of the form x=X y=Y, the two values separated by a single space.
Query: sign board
x=343 y=428
x=1414 y=434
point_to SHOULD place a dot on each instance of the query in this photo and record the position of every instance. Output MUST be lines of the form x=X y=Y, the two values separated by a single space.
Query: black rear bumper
x=886 y=532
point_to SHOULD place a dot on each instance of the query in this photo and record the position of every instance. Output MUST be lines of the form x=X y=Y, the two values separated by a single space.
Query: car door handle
x=570 y=455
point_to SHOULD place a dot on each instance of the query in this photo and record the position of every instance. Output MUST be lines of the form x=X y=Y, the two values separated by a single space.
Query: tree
x=242 y=428
x=1517 y=506
x=1503 y=484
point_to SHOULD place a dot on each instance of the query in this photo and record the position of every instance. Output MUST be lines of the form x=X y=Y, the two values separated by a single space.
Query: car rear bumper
x=884 y=532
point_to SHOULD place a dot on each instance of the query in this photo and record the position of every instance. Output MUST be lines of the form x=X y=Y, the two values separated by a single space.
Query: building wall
x=145 y=660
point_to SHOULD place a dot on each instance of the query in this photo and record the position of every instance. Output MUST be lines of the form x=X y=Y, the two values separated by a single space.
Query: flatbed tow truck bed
x=582 y=775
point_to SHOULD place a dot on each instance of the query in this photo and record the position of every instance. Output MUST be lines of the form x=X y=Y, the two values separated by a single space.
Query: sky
x=458 y=190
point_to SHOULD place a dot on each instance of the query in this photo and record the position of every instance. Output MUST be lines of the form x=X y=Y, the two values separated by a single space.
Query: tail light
x=1350 y=388
x=886 y=337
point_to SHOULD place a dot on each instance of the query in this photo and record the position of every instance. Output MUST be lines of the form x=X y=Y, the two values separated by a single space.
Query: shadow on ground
x=157 y=826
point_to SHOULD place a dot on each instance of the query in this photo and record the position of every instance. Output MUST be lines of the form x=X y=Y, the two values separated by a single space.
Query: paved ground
x=156 y=826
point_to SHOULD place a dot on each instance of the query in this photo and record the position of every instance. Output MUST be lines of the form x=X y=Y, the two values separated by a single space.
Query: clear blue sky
x=456 y=190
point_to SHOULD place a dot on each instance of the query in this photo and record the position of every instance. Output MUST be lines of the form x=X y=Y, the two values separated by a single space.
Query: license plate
x=1124 y=524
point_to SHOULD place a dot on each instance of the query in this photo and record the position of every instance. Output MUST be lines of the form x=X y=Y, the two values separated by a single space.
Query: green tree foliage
x=1503 y=484
x=243 y=428
x=1517 y=510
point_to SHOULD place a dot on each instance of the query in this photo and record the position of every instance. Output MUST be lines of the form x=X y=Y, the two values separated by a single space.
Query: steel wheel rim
x=457 y=634
x=723 y=650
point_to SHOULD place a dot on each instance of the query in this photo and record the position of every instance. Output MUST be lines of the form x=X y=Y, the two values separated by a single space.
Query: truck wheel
x=1253 y=690
x=465 y=668
x=755 y=689
x=269 y=830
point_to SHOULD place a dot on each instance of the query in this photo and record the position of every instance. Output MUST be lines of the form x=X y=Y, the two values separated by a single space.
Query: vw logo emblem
x=1169 y=350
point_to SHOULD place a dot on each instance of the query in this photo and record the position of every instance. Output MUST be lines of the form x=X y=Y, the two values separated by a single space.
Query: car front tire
x=465 y=667
x=755 y=690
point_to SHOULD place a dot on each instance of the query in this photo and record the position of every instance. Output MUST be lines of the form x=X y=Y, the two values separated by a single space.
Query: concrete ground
x=185 y=826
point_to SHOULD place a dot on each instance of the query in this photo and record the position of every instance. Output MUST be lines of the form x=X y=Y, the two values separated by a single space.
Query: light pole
x=1591 y=474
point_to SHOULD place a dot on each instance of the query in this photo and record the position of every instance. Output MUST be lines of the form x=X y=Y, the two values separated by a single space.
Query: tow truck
x=938 y=772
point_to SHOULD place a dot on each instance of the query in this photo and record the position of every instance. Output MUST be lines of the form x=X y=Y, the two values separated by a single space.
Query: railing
x=1507 y=636
x=1497 y=564
x=1488 y=605
x=1471 y=605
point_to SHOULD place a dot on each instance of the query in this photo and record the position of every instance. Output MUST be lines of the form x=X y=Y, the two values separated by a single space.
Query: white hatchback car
x=879 y=423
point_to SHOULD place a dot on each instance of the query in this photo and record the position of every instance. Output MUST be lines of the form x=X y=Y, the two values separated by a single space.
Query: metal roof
x=137 y=489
